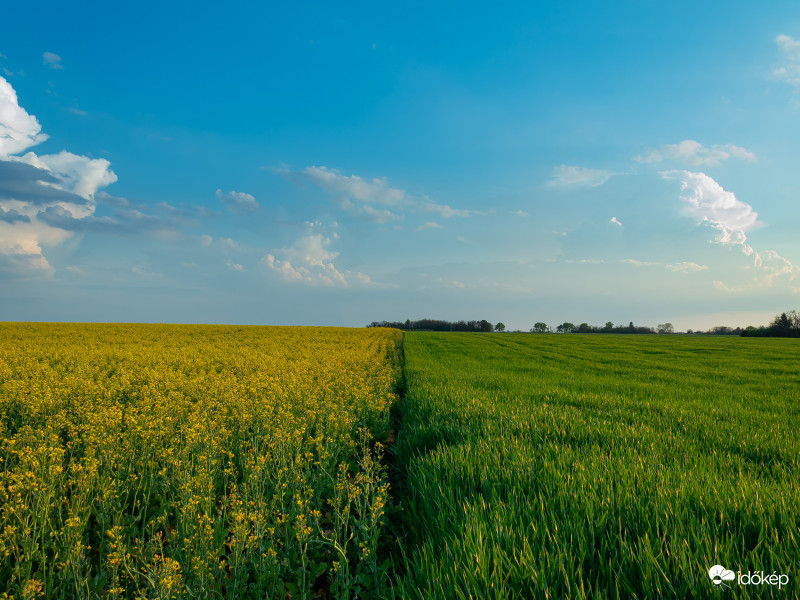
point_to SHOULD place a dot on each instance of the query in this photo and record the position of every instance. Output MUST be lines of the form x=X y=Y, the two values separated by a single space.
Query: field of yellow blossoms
x=171 y=461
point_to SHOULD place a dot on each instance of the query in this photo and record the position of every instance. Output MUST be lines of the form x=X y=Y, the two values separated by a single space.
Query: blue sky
x=335 y=164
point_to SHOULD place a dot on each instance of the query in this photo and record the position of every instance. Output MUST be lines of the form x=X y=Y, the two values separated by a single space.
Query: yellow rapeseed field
x=170 y=461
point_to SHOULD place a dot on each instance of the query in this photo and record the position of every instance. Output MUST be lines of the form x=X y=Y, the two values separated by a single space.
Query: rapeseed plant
x=158 y=461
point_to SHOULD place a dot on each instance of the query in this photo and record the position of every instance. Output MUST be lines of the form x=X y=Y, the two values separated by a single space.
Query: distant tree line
x=609 y=327
x=783 y=325
x=721 y=330
x=786 y=324
x=486 y=327
x=438 y=325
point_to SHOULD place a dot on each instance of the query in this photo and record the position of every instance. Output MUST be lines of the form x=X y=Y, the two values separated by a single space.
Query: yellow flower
x=200 y=421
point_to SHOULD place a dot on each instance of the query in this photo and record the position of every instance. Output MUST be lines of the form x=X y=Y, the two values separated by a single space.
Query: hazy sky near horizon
x=339 y=163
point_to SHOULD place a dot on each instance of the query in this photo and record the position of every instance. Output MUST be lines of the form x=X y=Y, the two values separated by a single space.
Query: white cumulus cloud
x=80 y=175
x=694 y=154
x=44 y=199
x=715 y=206
x=18 y=130
x=309 y=260
x=721 y=210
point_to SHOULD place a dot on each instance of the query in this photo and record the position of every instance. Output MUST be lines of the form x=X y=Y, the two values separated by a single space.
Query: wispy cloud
x=579 y=177
x=237 y=202
x=678 y=267
x=162 y=221
x=374 y=191
x=639 y=263
x=229 y=244
x=142 y=271
x=372 y=198
x=376 y=215
x=722 y=286
x=586 y=261
x=61 y=218
x=771 y=266
x=124 y=222
x=686 y=267
x=694 y=154
x=429 y=225
x=790 y=50
x=355 y=194
x=443 y=210
x=76 y=270
x=183 y=213
x=52 y=60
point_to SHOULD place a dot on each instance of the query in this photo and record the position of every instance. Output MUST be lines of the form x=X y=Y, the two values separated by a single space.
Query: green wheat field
x=568 y=466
